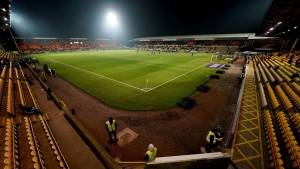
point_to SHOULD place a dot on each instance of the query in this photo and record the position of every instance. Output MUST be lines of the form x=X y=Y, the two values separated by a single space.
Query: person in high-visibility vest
x=211 y=140
x=219 y=136
x=151 y=153
x=111 y=127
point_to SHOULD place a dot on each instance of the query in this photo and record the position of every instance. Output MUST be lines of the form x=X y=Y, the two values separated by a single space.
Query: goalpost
x=212 y=57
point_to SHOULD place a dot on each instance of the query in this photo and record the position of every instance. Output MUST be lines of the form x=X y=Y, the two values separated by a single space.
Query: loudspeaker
x=215 y=76
x=203 y=88
x=220 y=71
x=186 y=103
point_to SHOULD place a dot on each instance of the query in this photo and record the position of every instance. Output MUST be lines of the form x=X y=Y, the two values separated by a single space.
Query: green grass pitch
x=130 y=80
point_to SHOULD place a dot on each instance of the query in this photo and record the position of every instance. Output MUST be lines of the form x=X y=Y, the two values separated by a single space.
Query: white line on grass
x=95 y=74
x=176 y=77
x=142 y=89
x=162 y=66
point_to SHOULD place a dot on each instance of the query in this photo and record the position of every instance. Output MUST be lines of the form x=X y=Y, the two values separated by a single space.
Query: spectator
x=111 y=127
x=151 y=153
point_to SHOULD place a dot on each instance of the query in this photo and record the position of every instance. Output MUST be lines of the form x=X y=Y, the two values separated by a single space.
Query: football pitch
x=132 y=80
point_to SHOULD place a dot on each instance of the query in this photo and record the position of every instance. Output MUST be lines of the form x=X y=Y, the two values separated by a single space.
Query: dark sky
x=136 y=18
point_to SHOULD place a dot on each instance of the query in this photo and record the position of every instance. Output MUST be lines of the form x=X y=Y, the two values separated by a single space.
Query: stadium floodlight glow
x=288 y=30
x=279 y=23
x=295 y=27
x=112 y=18
x=3 y=9
x=268 y=32
x=271 y=29
x=5 y=19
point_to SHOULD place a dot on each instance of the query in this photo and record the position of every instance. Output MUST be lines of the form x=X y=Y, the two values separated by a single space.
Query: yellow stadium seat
x=276 y=155
x=58 y=157
x=37 y=166
x=7 y=154
x=8 y=166
x=35 y=159
x=293 y=149
x=291 y=144
x=32 y=148
x=295 y=164
x=7 y=148
x=8 y=160
x=276 y=163
x=56 y=152
x=61 y=164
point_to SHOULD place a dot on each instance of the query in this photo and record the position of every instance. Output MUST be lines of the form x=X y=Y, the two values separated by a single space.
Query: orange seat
x=276 y=155
x=36 y=165
x=35 y=159
x=291 y=144
x=276 y=163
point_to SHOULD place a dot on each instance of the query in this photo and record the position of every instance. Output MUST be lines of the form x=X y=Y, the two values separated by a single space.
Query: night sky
x=136 y=18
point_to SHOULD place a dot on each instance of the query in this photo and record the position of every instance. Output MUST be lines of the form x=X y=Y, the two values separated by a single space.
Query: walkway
x=247 y=145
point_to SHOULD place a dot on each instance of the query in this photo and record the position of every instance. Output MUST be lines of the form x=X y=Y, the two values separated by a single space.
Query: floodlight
x=279 y=23
x=112 y=19
x=295 y=27
x=4 y=9
x=5 y=19
x=271 y=29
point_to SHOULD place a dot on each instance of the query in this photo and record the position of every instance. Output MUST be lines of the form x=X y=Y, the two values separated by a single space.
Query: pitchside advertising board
x=214 y=66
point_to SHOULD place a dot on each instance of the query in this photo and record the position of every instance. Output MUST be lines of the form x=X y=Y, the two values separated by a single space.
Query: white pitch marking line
x=162 y=66
x=95 y=74
x=176 y=78
x=147 y=90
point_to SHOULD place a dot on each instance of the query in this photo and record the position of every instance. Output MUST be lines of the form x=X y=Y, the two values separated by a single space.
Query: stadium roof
x=236 y=36
x=281 y=20
x=4 y=14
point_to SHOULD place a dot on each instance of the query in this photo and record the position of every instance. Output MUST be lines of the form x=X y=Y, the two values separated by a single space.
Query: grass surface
x=130 y=80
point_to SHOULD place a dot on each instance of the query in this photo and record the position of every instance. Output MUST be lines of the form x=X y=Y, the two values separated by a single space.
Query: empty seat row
x=54 y=146
x=273 y=99
x=287 y=104
x=11 y=155
x=262 y=95
x=269 y=75
x=36 y=153
x=272 y=144
x=284 y=76
x=292 y=95
x=10 y=99
x=263 y=75
x=289 y=139
x=276 y=75
x=295 y=87
x=295 y=119
x=296 y=68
